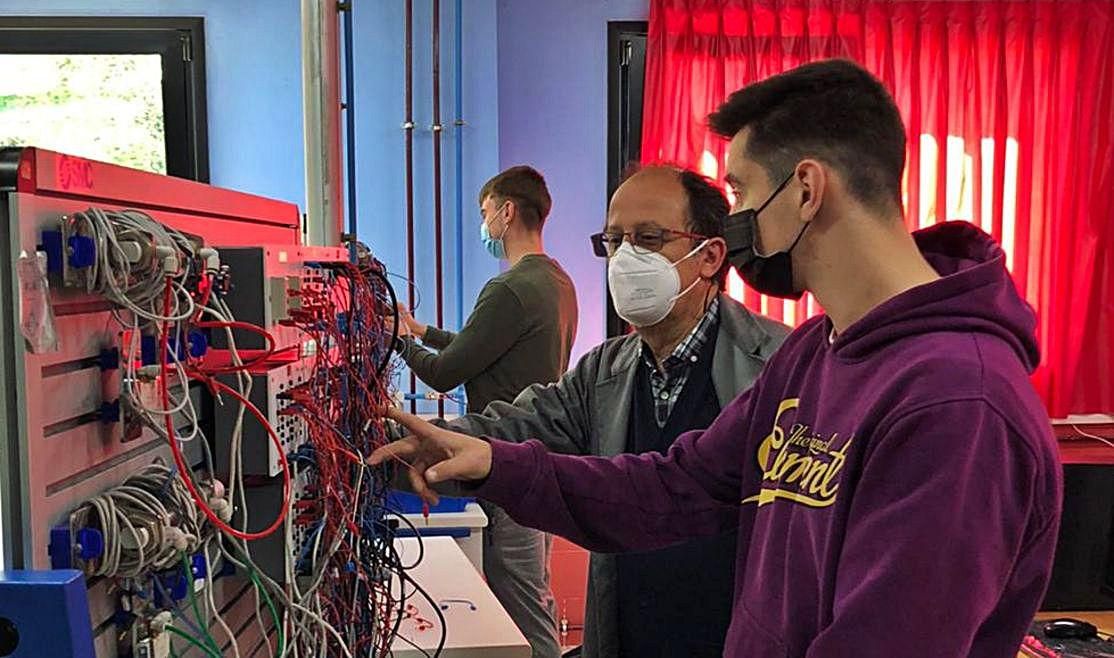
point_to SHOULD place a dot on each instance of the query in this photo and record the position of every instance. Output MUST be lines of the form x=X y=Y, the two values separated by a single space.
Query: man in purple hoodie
x=892 y=474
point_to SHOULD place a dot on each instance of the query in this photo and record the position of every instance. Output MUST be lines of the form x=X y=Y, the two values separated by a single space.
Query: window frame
x=180 y=41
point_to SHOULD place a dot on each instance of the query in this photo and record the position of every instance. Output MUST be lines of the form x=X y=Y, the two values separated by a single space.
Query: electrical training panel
x=190 y=397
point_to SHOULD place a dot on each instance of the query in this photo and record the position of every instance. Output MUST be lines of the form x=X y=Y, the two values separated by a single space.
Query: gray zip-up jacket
x=586 y=412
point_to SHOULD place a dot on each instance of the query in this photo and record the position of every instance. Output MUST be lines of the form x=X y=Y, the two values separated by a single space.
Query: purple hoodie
x=896 y=492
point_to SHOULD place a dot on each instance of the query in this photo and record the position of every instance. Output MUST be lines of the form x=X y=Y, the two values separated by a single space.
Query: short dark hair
x=708 y=208
x=834 y=111
x=525 y=187
x=707 y=205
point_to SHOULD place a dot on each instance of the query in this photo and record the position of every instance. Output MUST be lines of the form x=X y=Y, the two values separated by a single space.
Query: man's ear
x=510 y=212
x=712 y=257
x=812 y=178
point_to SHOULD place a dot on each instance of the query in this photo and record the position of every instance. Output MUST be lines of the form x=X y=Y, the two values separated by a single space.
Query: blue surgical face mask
x=494 y=245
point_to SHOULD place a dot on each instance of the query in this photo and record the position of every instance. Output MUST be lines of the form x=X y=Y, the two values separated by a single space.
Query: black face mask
x=770 y=275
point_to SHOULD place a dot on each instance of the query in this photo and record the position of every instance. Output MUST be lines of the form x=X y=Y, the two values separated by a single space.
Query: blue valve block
x=44 y=613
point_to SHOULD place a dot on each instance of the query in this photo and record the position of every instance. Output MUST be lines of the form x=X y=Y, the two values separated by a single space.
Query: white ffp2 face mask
x=645 y=286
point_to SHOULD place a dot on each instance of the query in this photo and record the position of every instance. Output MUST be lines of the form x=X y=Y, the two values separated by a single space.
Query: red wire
x=176 y=449
x=340 y=364
x=334 y=488
x=246 y=326
x=206 y=289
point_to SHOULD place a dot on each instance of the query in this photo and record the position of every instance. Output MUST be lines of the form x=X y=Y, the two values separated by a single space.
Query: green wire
x=173 y=653
x=270 y=604
x=210 y=641
x=189 y=638
x=266 y=597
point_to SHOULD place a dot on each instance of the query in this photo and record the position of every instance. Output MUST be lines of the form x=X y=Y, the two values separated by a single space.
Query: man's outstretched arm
x=625 y=503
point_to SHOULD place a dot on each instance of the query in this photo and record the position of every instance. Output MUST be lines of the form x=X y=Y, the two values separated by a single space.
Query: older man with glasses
x=693 y=350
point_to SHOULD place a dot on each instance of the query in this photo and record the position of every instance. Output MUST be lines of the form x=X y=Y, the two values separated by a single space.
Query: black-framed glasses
x=643 y=241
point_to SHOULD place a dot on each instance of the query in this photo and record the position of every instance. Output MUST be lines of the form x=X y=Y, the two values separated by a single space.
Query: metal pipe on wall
x=408 y=128
x=437 y=228
x=321 y=121
x=349 y=107
x=458 y=123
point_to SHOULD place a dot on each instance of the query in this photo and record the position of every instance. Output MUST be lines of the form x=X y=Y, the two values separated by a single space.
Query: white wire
x=132 y=506
x=113 y=276
x=1093 y=436
x=139 y=289
x=211 y=598
x=236 y=488
x=288 y=601
x=220 y=311
x=288 y=570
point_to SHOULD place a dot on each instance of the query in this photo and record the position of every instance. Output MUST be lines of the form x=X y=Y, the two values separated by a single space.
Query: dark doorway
x=626 y=74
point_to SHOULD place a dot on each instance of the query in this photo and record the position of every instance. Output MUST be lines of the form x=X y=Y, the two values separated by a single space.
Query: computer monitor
x=1083 y=572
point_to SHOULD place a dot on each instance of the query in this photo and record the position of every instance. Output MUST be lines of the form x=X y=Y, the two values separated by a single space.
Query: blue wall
x=532 y=94
x=553 y=114
x=253 y=78
x=379 y=61
x=253 y=75
x=379 y=54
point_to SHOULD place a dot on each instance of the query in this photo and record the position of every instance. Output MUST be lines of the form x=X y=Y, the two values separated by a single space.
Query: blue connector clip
x=199 y=566
x=110 y=412
x=52 y=246
x=109 y=358
x=82 y=251
x=175 y=584
x=196 y=343
x=148 y=346
x=79 y=250
x=88 y=544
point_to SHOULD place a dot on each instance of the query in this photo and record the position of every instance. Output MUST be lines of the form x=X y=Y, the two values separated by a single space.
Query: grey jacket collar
x=738 y=329
x=741 y=345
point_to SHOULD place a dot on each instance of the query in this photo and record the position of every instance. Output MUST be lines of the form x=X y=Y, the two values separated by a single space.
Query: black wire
x=410 y=284
x=408 y=641
x=394 y=561
x=390 y=549
x=401 y=611
x=394 y=312
x=378 y=556
x=436 y=608
x=421 y=545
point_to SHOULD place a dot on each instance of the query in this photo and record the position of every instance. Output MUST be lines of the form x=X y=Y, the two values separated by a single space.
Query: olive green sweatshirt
x=520 y=333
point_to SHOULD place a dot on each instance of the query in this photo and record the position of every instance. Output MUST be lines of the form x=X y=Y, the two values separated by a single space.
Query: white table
x=445 y=573
x=471 y=519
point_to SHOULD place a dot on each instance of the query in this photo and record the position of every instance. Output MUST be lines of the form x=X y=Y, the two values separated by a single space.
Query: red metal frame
x=225 y=212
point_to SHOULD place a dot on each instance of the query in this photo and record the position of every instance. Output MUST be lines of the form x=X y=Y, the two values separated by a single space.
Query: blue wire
x=174 y=610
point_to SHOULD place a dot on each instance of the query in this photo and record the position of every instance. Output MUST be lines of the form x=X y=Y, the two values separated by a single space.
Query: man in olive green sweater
x=520 y=333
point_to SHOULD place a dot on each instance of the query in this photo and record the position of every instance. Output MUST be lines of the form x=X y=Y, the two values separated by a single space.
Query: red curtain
x=1009 y=106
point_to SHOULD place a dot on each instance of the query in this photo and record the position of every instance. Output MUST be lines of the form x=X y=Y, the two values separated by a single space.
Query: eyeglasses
x=643 y=241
